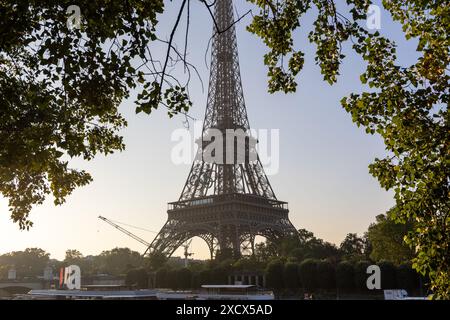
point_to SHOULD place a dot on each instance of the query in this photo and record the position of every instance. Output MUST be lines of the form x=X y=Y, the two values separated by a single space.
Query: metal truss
x=226 y=204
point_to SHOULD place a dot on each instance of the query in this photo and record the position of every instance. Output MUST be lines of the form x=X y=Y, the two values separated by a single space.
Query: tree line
x=287 y=277
x=291 y=264
x=305 y=263
x=31 y=262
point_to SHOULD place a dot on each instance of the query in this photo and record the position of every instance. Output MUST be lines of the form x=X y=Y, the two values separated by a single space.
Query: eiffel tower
x=226 y=203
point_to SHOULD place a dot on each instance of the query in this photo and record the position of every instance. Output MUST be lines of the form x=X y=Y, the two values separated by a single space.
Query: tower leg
x=236 y=243
x=211 y=247
x=252 y=244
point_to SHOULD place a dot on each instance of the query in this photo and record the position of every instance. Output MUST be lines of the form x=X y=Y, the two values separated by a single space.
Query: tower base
x=226 y=222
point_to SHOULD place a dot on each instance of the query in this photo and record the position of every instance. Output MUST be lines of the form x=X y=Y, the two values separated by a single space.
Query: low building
x=247 y=278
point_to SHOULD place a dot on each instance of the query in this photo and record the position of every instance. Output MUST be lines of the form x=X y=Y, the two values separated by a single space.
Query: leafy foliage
x=86 y=264
x=161 y=278
x=137 y=278
x=119 y=260
x=302 y=246
x=156 y=260
x=184 y=276
x=388 y=279
x=283 y=275
x=291 y=275
x=406 y=277
x=386 y=238
x=250 y=263
x=308 y=274
x=326 y=278
x=28 y=263
x=274 y=274
x=60 y=89
x=353 y=247
x=345 y=275
x=407 y=105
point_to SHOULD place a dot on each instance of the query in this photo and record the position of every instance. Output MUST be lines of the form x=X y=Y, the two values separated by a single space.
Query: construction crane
x=135 y=237
x=187 y=254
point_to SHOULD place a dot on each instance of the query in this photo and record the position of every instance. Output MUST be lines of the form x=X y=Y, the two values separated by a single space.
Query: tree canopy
x=387 y=240
x=353 y=246
x=285 y=275
x=298 y=247
x=60 y=89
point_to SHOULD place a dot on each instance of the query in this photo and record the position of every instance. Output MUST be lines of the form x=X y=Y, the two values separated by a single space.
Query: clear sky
x=324 y=157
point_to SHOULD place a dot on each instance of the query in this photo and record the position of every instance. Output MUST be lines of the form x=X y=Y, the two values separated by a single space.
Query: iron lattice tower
x=226 y=203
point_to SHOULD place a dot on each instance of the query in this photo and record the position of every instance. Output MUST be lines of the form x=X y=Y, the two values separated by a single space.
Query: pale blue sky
x=323 y=156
